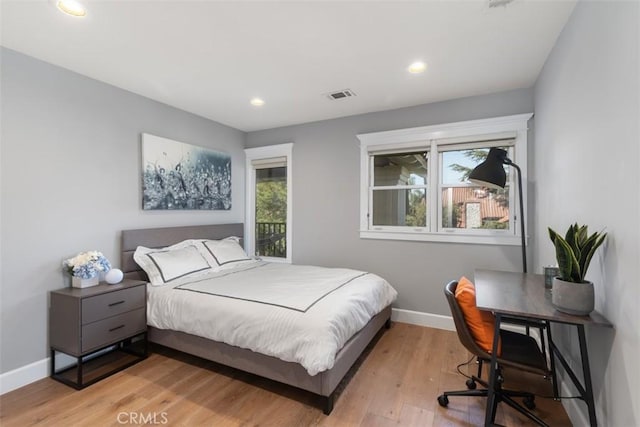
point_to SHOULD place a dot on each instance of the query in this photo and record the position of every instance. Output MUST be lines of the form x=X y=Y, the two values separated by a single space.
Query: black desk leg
x=552 y=363
x=586 y=372
x=492 y=403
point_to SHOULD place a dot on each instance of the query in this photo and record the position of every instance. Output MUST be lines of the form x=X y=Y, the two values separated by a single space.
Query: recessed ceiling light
x=417 y=67
x=71 y=7
x=257 y=102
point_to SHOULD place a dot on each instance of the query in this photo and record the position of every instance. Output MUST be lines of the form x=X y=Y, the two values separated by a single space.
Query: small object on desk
x=114 y=276
x=549 y=273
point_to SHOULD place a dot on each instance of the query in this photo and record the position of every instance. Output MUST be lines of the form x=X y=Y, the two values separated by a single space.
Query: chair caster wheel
x=529 y=402
x=443 y=400
x=471 y=384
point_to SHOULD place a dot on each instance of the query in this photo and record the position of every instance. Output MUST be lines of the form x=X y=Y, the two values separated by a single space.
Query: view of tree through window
x=271 y=212
x=470 y=206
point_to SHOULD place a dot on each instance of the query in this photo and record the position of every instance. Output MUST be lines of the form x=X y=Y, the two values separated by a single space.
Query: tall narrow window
x=268 y=204
x=271 y=208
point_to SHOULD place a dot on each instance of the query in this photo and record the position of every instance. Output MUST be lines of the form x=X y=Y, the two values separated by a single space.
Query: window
x=271 y=211
x=468 y=206
x=414 y=182
x=399 y=189
x=268 y=204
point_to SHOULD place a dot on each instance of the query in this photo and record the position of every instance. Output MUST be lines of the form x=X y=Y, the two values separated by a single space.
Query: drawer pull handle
x=116 y=328
x=116 y=303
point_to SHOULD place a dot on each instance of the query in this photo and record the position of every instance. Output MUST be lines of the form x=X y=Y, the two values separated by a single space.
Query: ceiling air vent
x=341 y=94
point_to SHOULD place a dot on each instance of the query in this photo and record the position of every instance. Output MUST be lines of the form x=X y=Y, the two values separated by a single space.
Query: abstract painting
x=180 y=176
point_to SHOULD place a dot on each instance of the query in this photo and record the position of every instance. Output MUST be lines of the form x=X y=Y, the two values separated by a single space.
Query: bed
x=295 y=373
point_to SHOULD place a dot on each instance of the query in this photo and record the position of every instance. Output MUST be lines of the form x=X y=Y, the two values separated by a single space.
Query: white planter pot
x=572 y=298
x=78 y=282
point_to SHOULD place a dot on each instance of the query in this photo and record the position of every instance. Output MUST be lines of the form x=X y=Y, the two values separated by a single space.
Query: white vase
x=78 y=282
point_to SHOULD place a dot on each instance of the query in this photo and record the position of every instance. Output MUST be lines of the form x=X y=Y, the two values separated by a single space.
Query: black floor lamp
x=490 y=173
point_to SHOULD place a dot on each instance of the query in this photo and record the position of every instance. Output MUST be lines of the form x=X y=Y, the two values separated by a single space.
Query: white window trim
x=429 y=137
x=266 y=152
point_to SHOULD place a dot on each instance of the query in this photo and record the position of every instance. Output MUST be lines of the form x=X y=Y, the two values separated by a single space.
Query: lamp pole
x=491 y=173
x=508 y=161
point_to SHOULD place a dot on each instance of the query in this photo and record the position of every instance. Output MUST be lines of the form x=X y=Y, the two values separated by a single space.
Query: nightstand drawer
x=104 y=332
x=112 y=303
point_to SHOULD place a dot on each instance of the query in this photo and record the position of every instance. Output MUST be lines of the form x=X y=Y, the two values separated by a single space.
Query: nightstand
x=103 y=327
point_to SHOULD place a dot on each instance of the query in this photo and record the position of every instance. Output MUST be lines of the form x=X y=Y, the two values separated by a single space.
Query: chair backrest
x=464 y=334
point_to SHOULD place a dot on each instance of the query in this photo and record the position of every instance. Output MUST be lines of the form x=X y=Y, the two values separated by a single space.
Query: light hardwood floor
x=396 y=384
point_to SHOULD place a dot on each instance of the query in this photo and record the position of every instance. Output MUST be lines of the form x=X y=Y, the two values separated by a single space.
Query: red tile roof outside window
x=493 y=207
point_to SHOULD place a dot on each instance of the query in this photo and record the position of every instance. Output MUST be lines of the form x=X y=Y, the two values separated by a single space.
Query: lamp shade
x=490 y=173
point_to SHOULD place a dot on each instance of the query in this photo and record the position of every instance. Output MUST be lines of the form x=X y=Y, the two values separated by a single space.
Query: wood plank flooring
x=396 y=384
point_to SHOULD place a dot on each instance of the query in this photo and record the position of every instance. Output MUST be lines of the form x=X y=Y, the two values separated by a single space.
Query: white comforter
x=311 y=338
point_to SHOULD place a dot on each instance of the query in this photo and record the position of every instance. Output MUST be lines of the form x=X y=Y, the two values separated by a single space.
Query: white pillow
x=225 y=253
x=182 y=260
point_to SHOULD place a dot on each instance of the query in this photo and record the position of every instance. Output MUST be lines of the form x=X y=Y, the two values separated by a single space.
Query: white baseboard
x=24 y=375
x=33 y=372
x=445 y=322
x=423 y=319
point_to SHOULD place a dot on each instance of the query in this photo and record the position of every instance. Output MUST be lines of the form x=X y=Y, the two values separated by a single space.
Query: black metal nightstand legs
x=102 y=363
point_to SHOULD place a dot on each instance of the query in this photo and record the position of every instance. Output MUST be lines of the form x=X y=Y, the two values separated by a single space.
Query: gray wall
x=326 y=182
x=586 y=169
x=70 y=176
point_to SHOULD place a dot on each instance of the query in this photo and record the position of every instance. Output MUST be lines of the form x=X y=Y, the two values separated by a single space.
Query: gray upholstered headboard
x=160 y=237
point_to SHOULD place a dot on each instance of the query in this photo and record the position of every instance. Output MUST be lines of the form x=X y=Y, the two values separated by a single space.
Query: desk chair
x=519 y=351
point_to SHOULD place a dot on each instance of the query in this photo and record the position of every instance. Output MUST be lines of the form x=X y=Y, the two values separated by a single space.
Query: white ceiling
x=211 y=57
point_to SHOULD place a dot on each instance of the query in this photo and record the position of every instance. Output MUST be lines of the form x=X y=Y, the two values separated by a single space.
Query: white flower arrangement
x=87 y=265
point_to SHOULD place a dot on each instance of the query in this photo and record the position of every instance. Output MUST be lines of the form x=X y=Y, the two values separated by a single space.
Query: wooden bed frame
x=323 y=384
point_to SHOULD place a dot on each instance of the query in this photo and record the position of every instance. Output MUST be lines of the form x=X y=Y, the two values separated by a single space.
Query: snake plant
x=574 y=251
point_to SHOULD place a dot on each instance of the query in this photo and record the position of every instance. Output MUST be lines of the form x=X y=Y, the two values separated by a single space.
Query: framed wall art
x=180 y=176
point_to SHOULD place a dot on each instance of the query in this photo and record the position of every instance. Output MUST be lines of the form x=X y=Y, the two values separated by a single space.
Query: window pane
x=458 y=164
x=400 y=207
x=475 y=207
x=271 y=212
x=400 y=169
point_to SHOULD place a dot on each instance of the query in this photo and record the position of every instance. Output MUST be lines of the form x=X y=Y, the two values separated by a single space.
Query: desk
x=524 y=295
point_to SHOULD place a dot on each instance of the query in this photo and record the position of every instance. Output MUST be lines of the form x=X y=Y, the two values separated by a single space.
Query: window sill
x=442 y=237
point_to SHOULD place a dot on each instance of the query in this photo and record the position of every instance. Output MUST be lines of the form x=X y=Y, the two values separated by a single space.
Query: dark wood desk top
x=524 y=295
